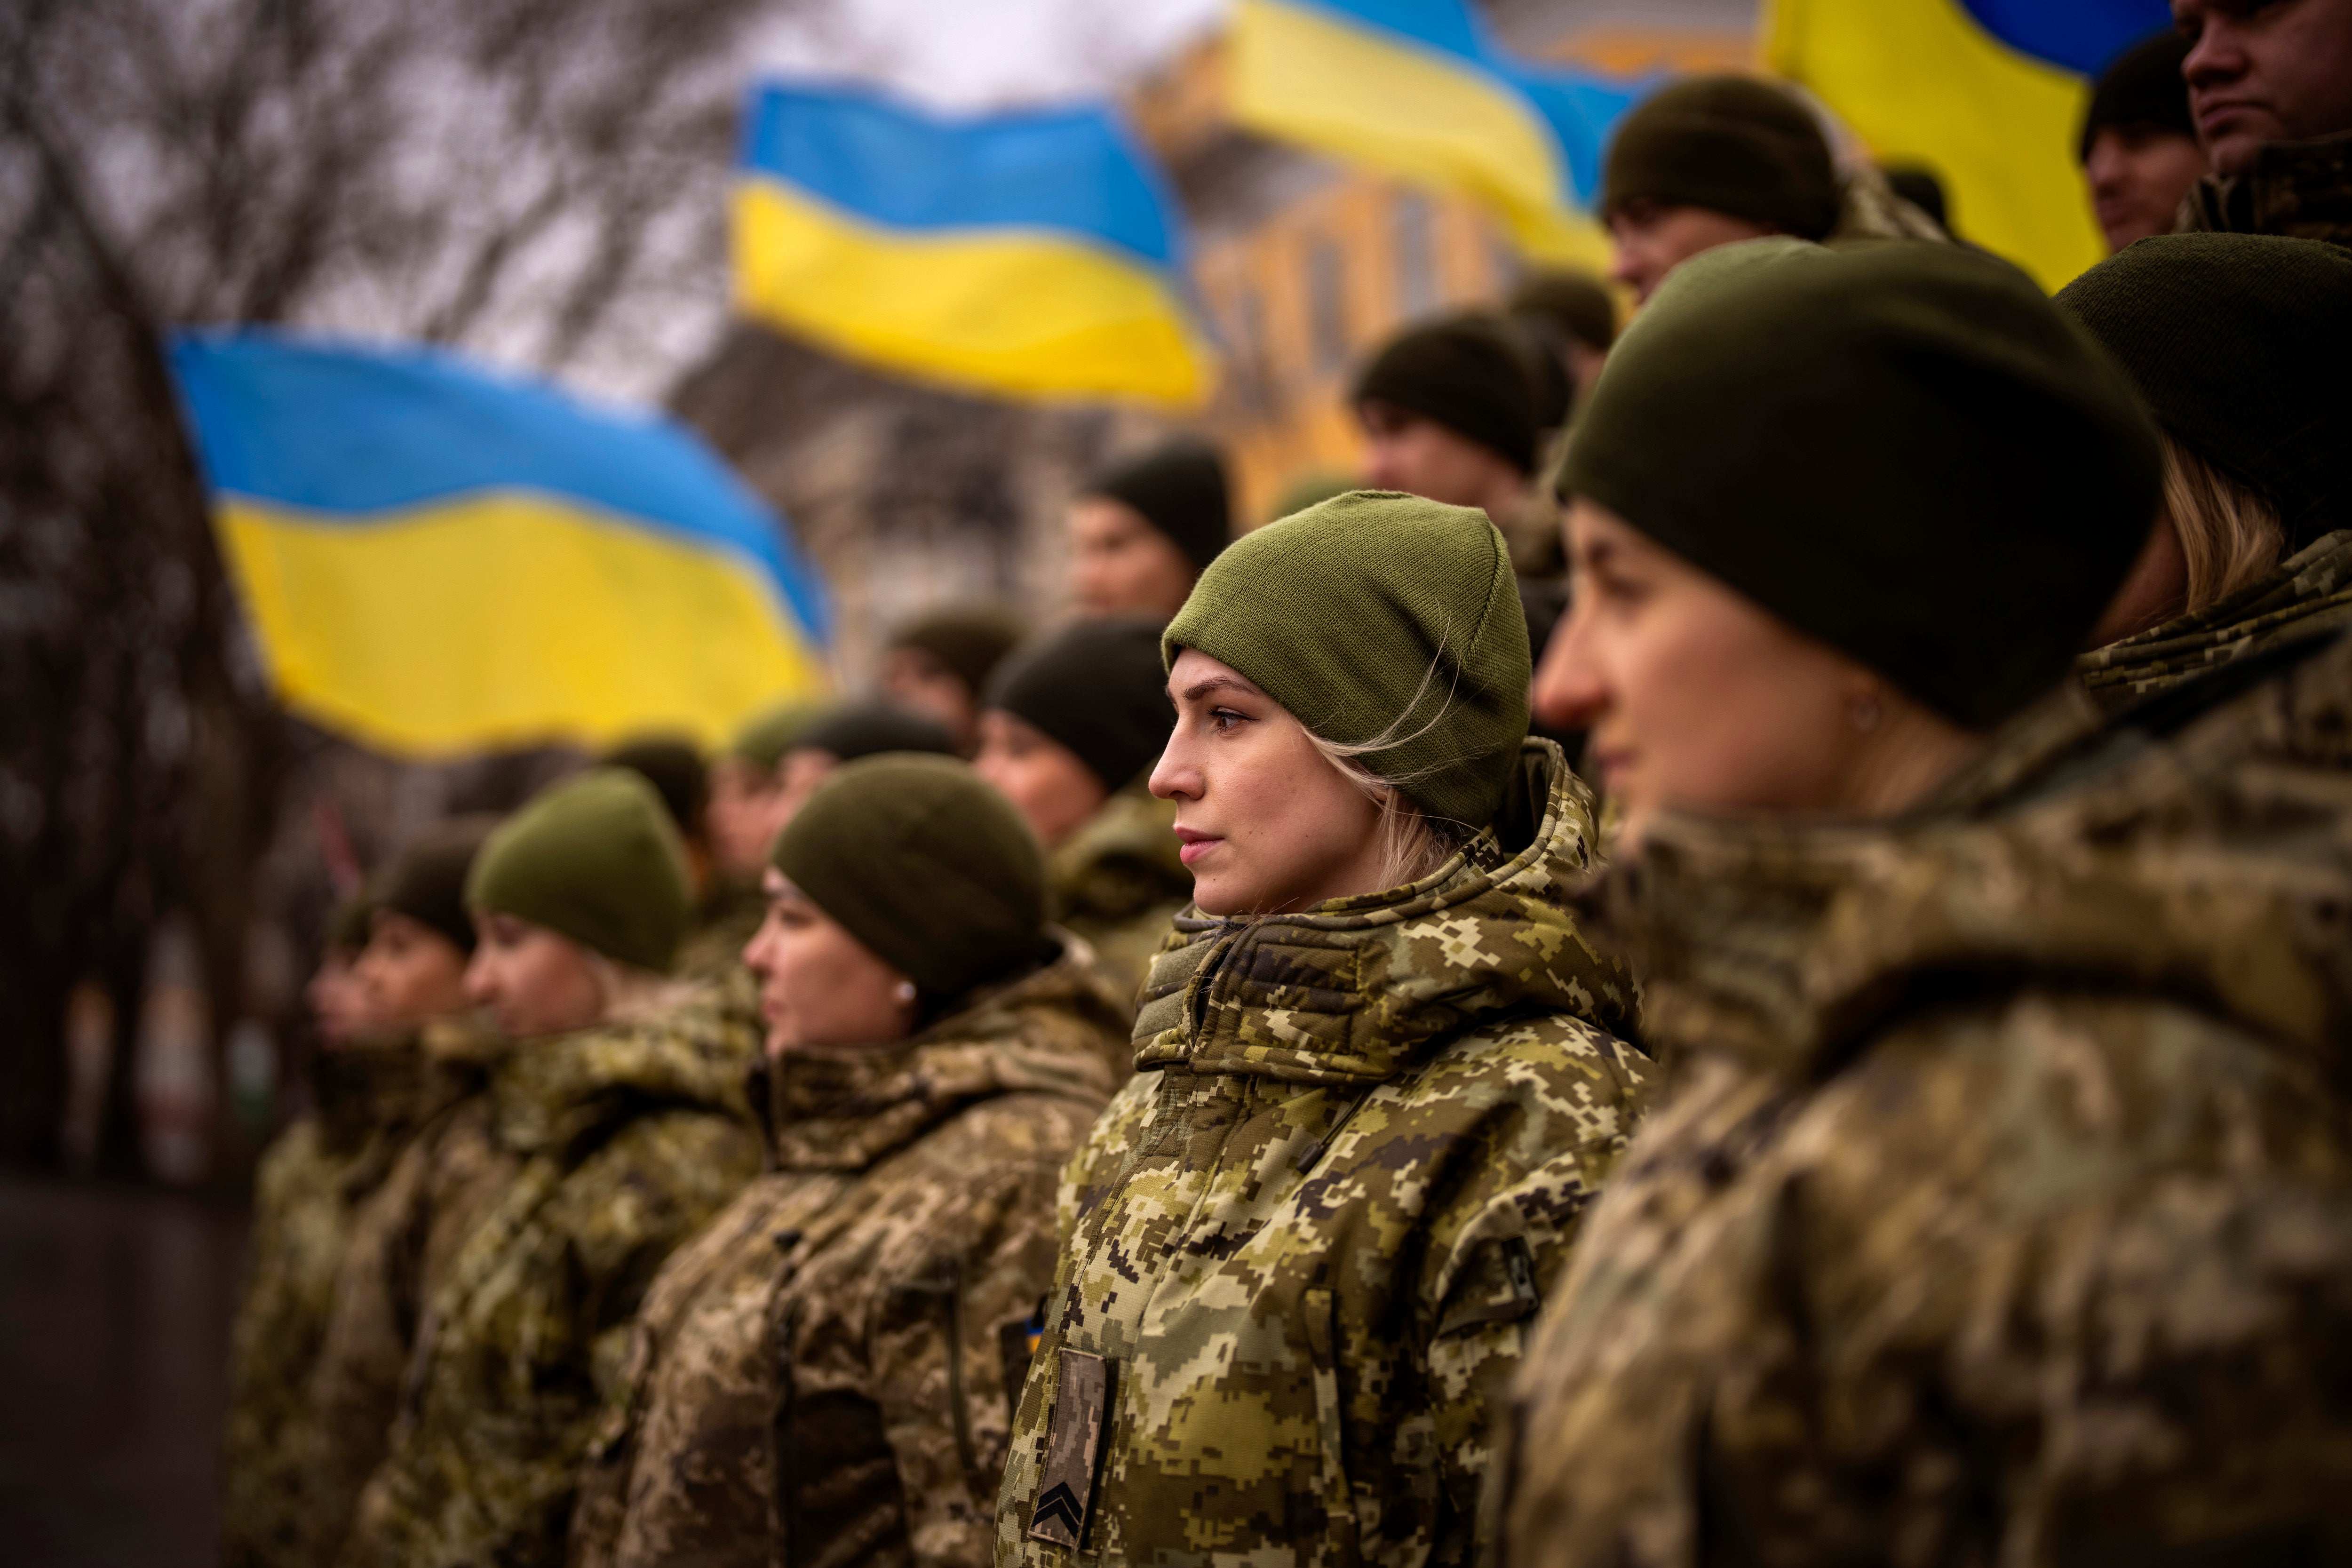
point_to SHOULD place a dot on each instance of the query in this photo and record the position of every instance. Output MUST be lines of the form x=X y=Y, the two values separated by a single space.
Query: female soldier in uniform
x=825 y=1376
x=1375 y=1078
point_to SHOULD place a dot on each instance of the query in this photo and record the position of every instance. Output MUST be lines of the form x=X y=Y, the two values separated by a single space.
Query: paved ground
x=114 y=1311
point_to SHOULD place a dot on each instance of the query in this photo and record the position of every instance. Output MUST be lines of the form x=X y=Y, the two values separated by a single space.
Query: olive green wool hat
x=923 y=862
x=426 y=880
x=764 y=742
x=1477 y=374
x=1730 y=143
x=2241 y=345
x=596 y=858
x=1376 y=615
x=1905 y=451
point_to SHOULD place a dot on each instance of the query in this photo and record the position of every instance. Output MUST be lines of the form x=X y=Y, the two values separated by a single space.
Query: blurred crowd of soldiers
x=1829 y=1042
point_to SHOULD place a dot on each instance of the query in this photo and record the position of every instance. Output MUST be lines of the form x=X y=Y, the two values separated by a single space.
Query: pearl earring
x=906 y=992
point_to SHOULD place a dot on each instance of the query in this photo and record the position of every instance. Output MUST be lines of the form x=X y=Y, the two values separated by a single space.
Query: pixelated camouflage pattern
x=2311 y=590
x=627 y=1138
x=1307 y=1235
x=2301 y=190
x=820 y=1377
x=724 y=923
x=1999 y=1209
x=1117 y=883
x=309 y=1181
x=401 y=1240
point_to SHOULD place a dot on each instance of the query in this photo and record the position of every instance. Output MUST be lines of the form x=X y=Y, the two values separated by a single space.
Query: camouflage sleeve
x=264 y=1382
x=1502 y=1256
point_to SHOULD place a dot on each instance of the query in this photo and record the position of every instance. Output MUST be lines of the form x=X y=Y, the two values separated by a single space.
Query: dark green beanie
x=1904 y=450
x=969 y=640
x=1576 y=304
x=926 y=866
x=1379 y=614
x=674 y=766
x=858 y=729
x=2142 y=88
x=595 y=858
x=1097 y=690
x=1476 y=374
x=2242 y=345
x=1178 y=488
x=764 y=742
x=1730 y=143
x=426 y=880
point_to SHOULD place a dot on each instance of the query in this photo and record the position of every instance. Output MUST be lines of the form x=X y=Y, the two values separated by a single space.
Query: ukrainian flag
x=1418 y=90
x=1039 y=254
x=435 y=559
x=1988 y=93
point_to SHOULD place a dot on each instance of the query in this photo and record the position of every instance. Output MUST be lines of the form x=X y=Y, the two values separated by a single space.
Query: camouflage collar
x=2301 y=190
x=1356 y=991
x=2147 y=857
x=2311 y=588
x=1039 y=1034
x=367 y=1085
x=553 y=1093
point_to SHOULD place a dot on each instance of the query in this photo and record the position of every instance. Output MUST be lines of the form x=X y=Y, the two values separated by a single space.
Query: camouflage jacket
x=2312 y=589
x=2301 y=190
x=825 y=1375
x=1117 y=883
x=313 y=1176
x=626 y=1139
x=2000 y=1206
x=400 y=1241
x=1303 y=1242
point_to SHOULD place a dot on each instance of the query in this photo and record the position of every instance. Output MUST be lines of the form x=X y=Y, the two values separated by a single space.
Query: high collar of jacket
x=2193 y=847
x=1358 y=990
x=367 y=1085
x=1043 y=1033
x=554 y=1091
x=2315 y=581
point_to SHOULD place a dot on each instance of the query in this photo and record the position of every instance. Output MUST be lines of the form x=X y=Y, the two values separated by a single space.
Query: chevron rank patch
x=1073 y=1448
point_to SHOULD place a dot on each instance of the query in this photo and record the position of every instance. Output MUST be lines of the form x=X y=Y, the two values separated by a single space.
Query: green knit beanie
x=1377 y=615
x=764 y=742
x=967 y=640
x=2241 y=343
x=426 y=881
x=1479 y=375
x=595 y=858
x=1905 y=451
x=923 y=862
x=1178 y=488
x=1730 y=143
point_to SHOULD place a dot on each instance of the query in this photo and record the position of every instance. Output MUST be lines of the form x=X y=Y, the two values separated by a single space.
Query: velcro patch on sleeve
x=1074 y=1441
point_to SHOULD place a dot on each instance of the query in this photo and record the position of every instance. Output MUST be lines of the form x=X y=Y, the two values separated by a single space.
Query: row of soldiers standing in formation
x=1246 y=1114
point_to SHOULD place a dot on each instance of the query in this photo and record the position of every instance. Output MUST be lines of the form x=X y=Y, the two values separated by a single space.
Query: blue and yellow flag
x=436 y=558
x=1988 y=93
x=1039 y=254
x=1418 y=90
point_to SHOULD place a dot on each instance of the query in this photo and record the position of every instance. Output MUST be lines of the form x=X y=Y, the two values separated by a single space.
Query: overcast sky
x=975 y=54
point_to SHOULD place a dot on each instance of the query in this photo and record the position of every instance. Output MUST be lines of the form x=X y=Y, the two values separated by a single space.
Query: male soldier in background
x=936 y=666
x=1714 y=159
x=1071 y=729
x=2270 y=86
x=2140 y=149
x=1141 y=529
x=373 y=1095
